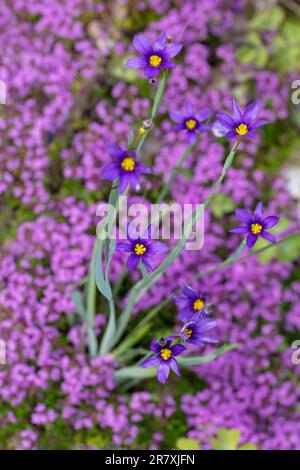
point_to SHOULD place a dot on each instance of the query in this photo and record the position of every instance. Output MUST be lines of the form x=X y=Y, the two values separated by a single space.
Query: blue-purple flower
x=196 y=332
x=241 y=125
x=255 y=225
x=141 y=249
x=153 y=58
x=191 y=122
x=126 y=167
x=192 y=304
x=164 y=358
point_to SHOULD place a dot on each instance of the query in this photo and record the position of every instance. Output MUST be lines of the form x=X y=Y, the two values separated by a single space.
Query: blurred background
x=68 y=95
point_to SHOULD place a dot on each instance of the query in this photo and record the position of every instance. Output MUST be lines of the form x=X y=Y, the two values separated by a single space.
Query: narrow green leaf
x=196 y=360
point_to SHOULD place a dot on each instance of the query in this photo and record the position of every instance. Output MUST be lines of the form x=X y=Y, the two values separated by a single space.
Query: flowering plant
x=124 y=172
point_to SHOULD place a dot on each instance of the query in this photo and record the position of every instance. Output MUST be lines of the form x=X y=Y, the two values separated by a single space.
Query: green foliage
x=184 y=443
x=228 y=439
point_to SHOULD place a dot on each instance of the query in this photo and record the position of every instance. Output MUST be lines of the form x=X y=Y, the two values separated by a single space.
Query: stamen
x=242 y=129
x=128 y=164
x=198 y=304
x=155 y=60
x=256 y=229
x=191 y=124
x=140 y=249
x=188 y=332
x=165 y=353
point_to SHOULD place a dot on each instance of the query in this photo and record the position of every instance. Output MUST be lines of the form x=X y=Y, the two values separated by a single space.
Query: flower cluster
x=194 y=331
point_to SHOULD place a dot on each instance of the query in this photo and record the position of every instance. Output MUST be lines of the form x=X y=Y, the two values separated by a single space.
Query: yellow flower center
x=191 y=124
x=155 y=60
x=165 y=353
x=128 y=164
x=256 y=229
x=188 y=332
x=140 y=249
x=198 y=305
x=242 y=129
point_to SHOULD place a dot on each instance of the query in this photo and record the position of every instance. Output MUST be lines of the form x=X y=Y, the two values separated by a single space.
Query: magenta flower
x=255 y=226
x=196 y=332
x=125 y=167
x=241 y=125
x=191 y=122
x=155 y=58
x=192 y=304
x=141 y=249
x=164 y=359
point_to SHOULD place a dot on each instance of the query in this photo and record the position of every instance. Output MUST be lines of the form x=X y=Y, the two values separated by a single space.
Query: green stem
x=174 y=173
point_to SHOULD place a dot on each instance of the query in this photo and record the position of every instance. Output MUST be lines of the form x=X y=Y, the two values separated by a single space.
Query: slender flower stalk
x=174 y=173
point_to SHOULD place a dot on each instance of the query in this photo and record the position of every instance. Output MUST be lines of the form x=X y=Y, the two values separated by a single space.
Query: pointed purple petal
x=189 y=292
x=251 y=240
x=259 y=210
x=172 y=50
x=132 y=262
x=244 y=215
x=191 y=137
x=136 y=63
x=110 y=171
x=151 y=362
x=176 y=116
x=141 y=44
x=147 y=260
x=124 y=181
x=151 y=72
x=205 y=324
x=161 y=41
x=270 y=221
x=233 y=135
x=250 y=134
x=236 y=112
x=163 y=372
x=156 y=248
x=185 y=314
x=243 y=229
x=141 y=168
x=260 y=122
x=174 y=366
x=177 y=349
x=188 y=108
x=207 y=339
x=225 y=120
x=115 y=151
x=124 y=247
x=203 y=114
x=268 y=236
x=251 y=112
x=154 y=346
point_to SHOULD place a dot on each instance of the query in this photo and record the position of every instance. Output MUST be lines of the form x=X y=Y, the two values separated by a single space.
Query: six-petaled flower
x=153 y=58
x=241 y=125
x=125 y=167
x=191 y=122
x=164 y=358
x=255 y=225
x=141 y=249
x=192 y=304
